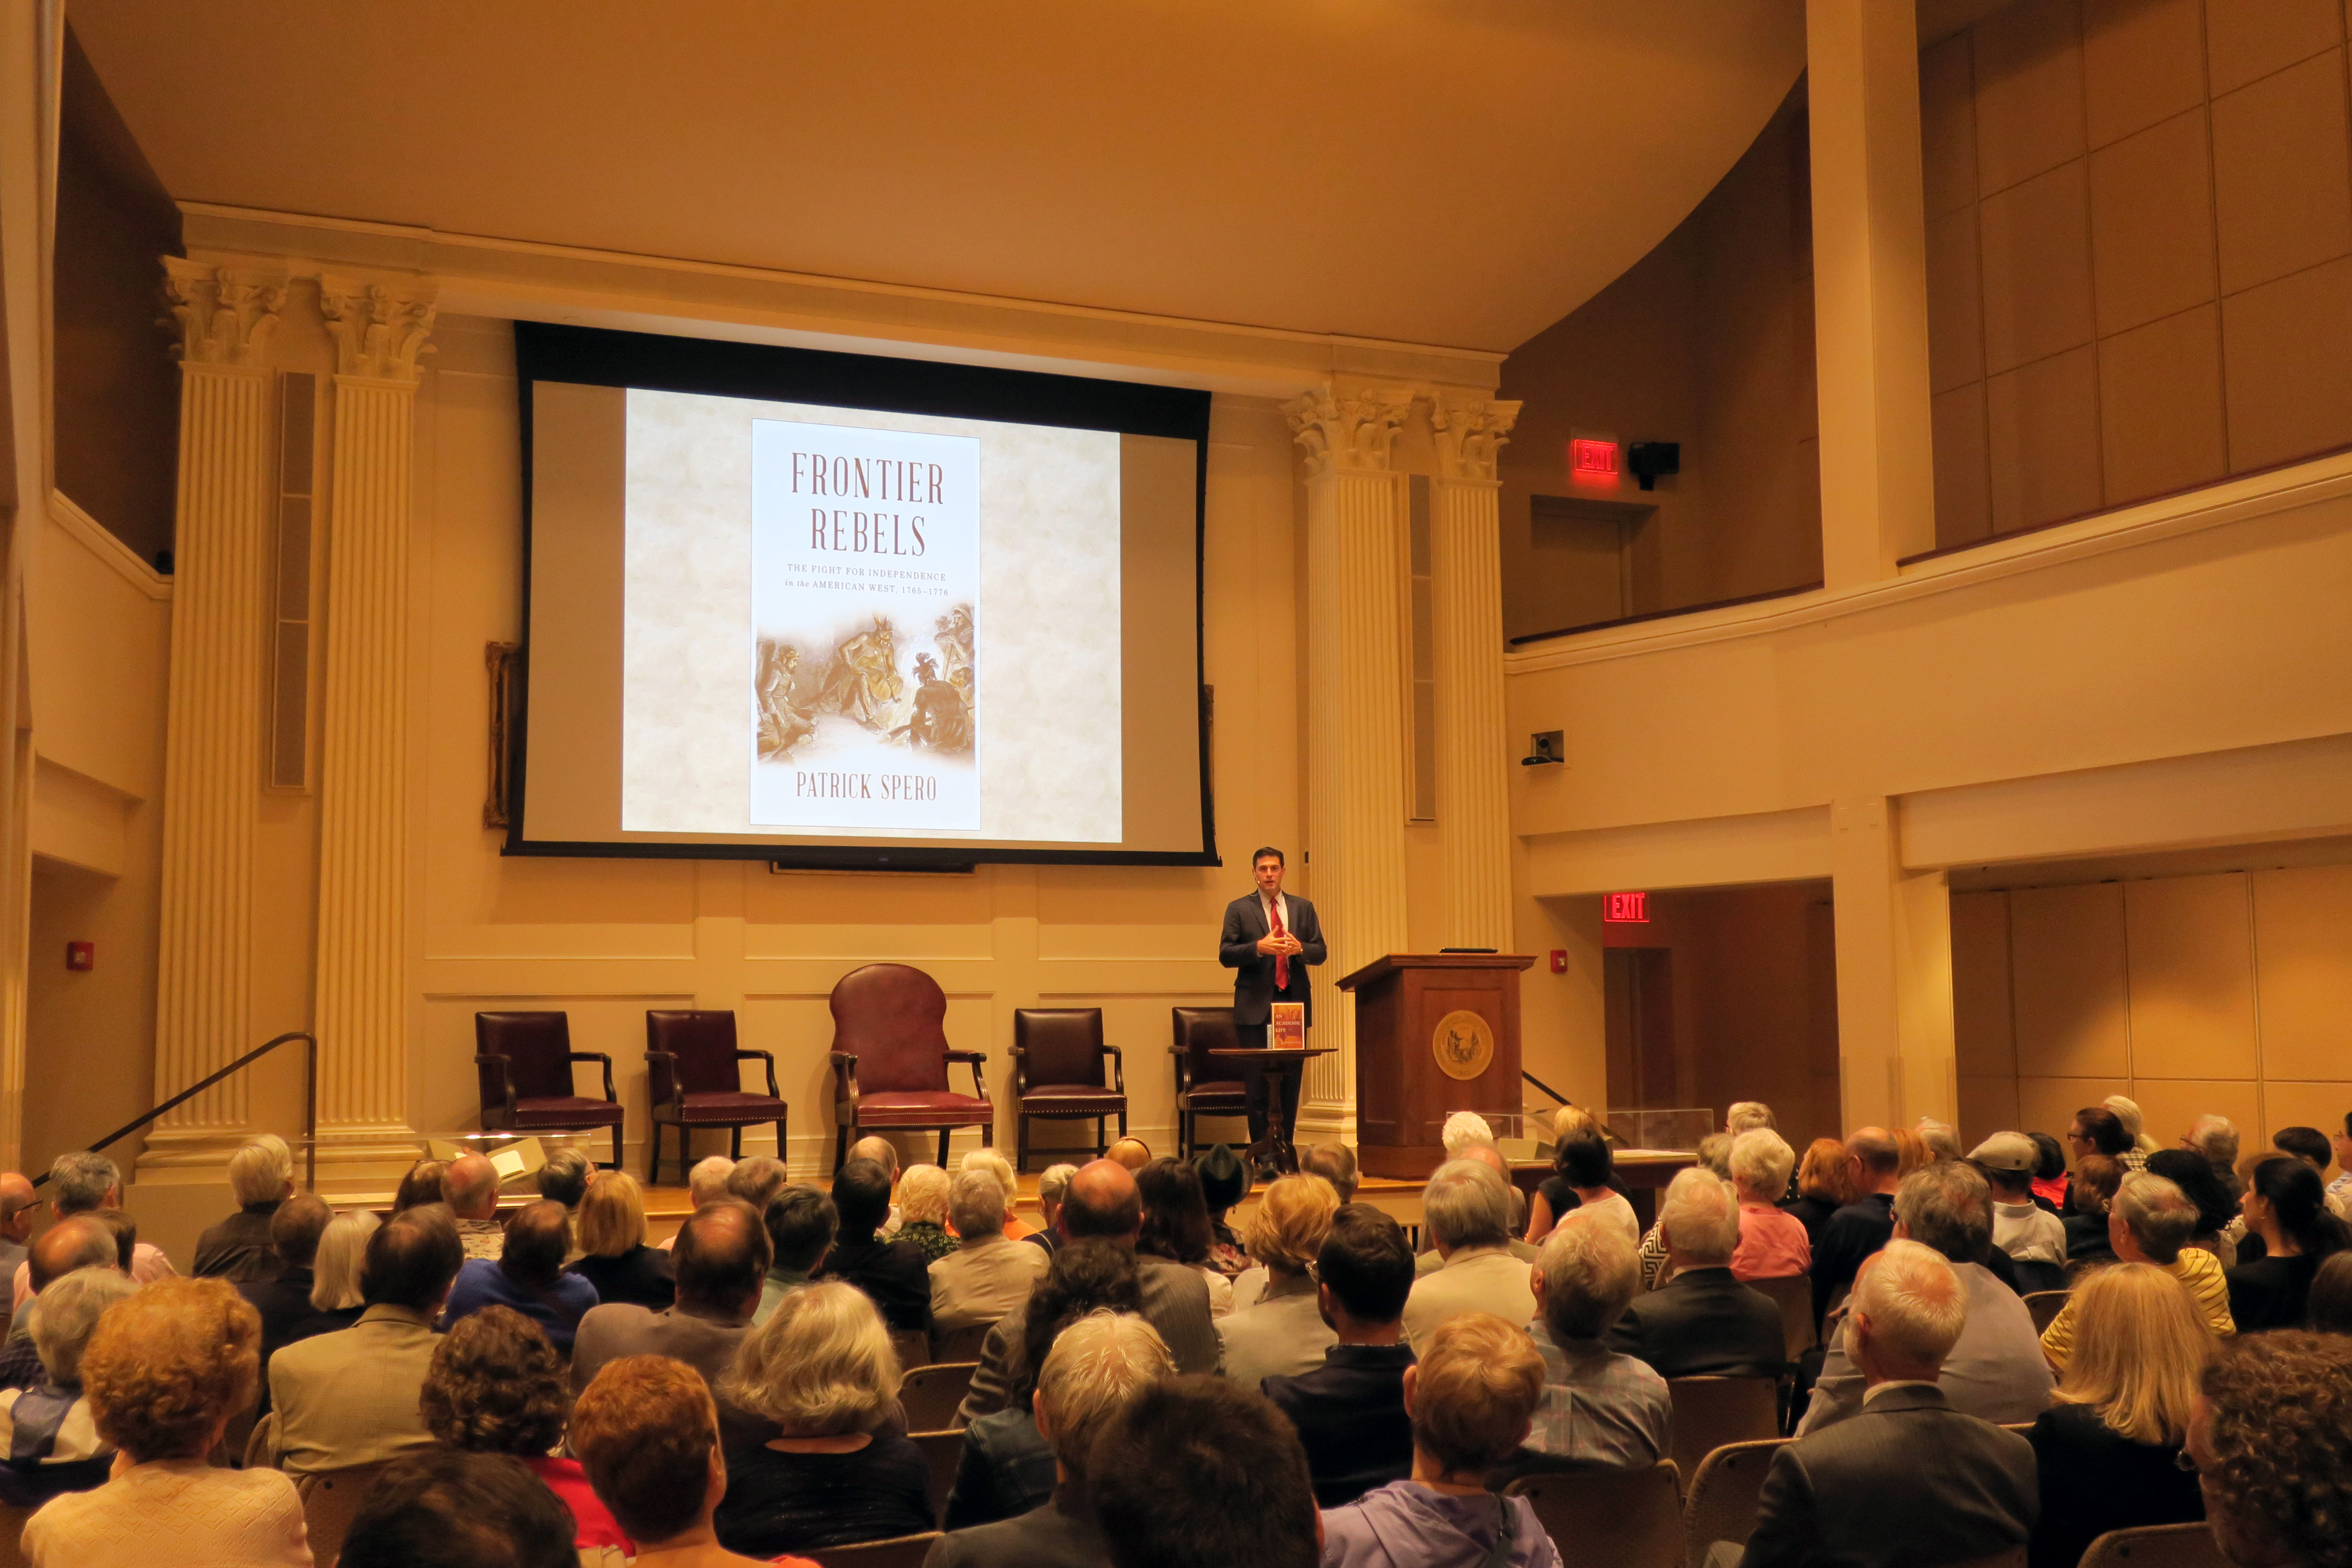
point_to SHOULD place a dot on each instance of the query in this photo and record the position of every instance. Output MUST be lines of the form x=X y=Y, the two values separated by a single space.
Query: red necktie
x=1281 y=960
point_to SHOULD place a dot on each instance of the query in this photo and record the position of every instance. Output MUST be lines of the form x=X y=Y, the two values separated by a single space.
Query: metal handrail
x=1544 y=1086
x=310 y=1102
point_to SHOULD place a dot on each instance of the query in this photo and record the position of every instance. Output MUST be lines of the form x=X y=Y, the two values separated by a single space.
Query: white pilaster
x=1474 y=806
x=362 y=998
x=1893 y=973
x=1355 y=697
x=213 y=728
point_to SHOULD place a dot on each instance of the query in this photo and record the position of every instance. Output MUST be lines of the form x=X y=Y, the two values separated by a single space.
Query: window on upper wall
x=2139 y=252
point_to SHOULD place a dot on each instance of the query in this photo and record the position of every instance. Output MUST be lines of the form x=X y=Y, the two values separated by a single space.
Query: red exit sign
x=1592 y=459
x=1626 y=908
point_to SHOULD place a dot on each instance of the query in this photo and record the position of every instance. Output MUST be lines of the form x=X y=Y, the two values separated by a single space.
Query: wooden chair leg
x=735 y=1143
x=943 y=1148
x=781 y=1144
x=840 y=1146
x=1101 y=1148
x=653 y=1154
x=1021 y=1146
x=1123 y=1124
x=685 y=1155
x=616 y=1145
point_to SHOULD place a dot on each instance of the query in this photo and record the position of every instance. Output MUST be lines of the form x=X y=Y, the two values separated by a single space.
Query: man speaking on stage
x=1270 y=938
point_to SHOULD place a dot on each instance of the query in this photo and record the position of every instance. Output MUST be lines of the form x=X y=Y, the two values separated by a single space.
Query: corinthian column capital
x=380 y=328
x=1351 y=429
x=227 y=314
x=1470 y=426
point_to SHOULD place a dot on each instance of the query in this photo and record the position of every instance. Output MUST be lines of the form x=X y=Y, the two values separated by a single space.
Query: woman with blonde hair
x=1283 y=1334
x=923 y=1210
x=821 y=1371
x=335 y=1301
x=614 y=1256
x=2107 y=1449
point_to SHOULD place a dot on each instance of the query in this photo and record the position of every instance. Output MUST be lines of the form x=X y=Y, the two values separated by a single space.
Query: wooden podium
x=1436 y=1033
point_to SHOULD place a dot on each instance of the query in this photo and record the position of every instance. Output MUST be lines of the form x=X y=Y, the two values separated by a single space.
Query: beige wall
x=2139 y=251
x=2224 y=994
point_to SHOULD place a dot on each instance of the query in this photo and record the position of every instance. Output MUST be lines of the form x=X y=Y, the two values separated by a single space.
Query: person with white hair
x=1772 y=1241
x=2151 y=1221
x=1942 y=1139
x=1096 y=1365
x=2127 y=1111
x=923 y=1210
x=2216 y=1138
x=1469 y=1213
x=1703 y=1323
x=1910 y=1480
x=1462 y=1130
x=997 y=1165
x=989 y=1274
x=45 y=1430
x=706 y=1185
x=1599 y=1406
x=84 y=1181
x=1747 y=1116
x=238 y=1249
x=1052 y=1186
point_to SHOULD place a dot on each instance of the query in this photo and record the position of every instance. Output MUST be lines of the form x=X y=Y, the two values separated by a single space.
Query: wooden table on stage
x=1277 y=1062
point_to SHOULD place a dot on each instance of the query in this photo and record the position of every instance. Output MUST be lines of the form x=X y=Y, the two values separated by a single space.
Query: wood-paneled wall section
x=2140 y=218
x=2224 y=994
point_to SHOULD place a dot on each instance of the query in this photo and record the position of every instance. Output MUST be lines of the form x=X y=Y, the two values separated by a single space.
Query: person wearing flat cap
x=2035 y=1239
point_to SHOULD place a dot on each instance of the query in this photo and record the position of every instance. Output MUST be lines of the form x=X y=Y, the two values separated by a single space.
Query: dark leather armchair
x=692 y=1066
x=1057 y=1072
x=890 y=1058
x=522 y=1062
x=1204 y=1086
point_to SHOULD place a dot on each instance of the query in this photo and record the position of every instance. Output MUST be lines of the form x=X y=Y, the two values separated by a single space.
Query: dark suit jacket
x=1061 y=1534
x=1910 y=1482
x=238 y=1249
x=1852 y=1234
x=1253 y=970
x=1704 y=1323
x=1350 y=1413
x=2095 y=1479
x=895 y=1275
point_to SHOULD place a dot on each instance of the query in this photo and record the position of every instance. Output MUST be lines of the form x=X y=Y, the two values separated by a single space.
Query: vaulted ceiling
x=1460 y=172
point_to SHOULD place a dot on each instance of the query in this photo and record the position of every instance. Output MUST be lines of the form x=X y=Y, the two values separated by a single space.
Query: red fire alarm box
x=81 y=955
x=1559 y=960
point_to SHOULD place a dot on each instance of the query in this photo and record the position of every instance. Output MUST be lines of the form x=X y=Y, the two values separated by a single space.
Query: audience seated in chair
x=2092 y=1191
x=802 y=1223
x=1096 y=1365
x=1197 y=1473
x=995 y=1164
x=1599 y=1406
x=1103 y=1202
x=49 y=1442
x=1176 y=1225
x=2328 y=1307
x=721 y=1260
x=449 y=1508
x=1283 y=1332
x=84 y=1182
x=874 y=1146
x=1471 y=1397
x=706 y=1183
x=1583 y=1172
x=564 y=1180
x=164 y=1371
x=1995 y=1371
x=1703 y=1323
x=989 y=1274
x=613 y=1256
x=283 y=1300
x=349 y=1397
x=62 y=1250
x=1773 y=1242
x=1824 y=1185
x=2271 y=1440
x=2034 y=1237
x=336 y=1301
x=470 y=1187
x=1225 y=1181
x=529 y=1277
x=1467 y=1211
x=2286 y=1207
x=497 y=1386
x=1874 y=1170
x=238 y=1249
x=757 y=1178
x=2151 y=1223
x=1006 y=1467
x=421 y=1186
x=822 y=1371
x=1336 y=1164
x=922 y=1210
x=1349 y=1410
x=1053 y=1185
x=647 y=1436
x=1132 y=1153
x=1515 y=1220
x=19 y=1207
x=894 y=1274
x=2216 y=1201
x=2106 y=1451
x=1908 y=1481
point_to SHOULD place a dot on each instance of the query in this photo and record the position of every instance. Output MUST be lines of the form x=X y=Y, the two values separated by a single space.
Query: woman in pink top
x=1772 y=1243
x=495 y=1387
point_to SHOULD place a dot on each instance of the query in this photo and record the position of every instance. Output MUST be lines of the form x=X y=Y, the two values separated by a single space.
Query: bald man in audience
x=722 y=1262
x=1863 y=1227
x=19 y=1209
x=705 y=1184
x=78 y=1243
x=1103 y=1202
x=1909 y=1480
x=1485 y=1154
x=884 y=1153
x=470 y=1185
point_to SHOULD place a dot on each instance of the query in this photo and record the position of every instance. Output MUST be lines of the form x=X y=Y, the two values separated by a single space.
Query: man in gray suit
x=1103 y=1202
x=1910 y=1482
x=1096 y=1365
x=1997 y=1372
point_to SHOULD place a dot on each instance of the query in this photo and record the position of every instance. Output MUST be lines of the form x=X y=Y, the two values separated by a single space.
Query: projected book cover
x=865 y=610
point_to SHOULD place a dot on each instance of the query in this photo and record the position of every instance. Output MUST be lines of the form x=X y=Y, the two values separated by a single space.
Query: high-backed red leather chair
x=1057 y=1072
x=691 y=1066
x=890 y=1058
x=522 y=1063
x=1204 y=1086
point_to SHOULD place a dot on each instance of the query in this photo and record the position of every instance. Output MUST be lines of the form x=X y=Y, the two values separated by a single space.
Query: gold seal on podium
x=1463 y=1045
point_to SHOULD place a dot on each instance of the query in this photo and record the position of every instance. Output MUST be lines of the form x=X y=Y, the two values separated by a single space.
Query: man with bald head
x=721 y=1260
x=1103 y=1202
x=81 y=1242
x=17 y=1208
x=1864 y=1225
x=470 y=1185
x=884 y=1153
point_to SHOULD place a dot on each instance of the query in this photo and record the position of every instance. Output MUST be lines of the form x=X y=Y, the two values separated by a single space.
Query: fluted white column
x=1473 y=807
x=213 y=726
x=363 y=994
x=1355 y=700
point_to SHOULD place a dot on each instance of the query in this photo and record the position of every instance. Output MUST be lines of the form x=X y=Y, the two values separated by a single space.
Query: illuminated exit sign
x=1592 y=459
x=1626 y=908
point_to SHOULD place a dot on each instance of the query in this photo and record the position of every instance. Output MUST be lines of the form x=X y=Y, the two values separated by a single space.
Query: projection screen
x=839 y=610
